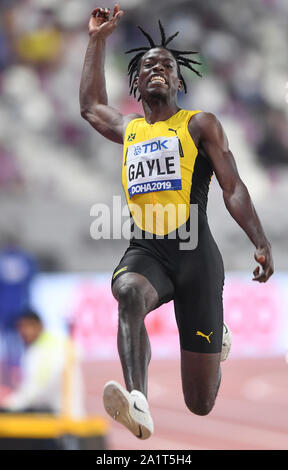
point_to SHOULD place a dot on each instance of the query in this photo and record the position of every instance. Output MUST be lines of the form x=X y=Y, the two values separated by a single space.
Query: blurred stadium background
x=54 y=168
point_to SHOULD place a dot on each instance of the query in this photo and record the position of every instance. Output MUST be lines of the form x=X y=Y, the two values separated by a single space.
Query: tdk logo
x=151 y=147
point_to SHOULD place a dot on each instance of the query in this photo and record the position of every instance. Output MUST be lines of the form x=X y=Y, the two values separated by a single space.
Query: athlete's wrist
x=97 y=36
x=263 y=245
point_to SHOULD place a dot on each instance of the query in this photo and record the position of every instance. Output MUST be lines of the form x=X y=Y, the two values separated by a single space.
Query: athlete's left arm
x=214 y=143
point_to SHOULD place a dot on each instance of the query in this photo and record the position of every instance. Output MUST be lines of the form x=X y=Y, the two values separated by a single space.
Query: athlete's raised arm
x=93 y=96
x=207 y=130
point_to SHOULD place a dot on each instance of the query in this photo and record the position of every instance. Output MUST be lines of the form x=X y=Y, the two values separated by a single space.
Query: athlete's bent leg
x=136 y=297
x=201 y=376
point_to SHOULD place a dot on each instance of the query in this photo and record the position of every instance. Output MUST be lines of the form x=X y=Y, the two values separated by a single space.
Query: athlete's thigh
x=200 y=324
x=198 y=299
x=199 y=315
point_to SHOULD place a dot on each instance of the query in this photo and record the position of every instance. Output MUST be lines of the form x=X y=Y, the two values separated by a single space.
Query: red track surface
x=251 y=410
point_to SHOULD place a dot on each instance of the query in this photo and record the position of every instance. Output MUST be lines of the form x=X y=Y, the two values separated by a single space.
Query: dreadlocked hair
x=134 y=64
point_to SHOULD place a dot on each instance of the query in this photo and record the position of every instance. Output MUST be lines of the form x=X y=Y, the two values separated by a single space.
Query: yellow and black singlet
x=162 y=174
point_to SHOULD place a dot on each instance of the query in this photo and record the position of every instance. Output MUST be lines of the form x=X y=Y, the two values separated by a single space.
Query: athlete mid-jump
x=169 y=157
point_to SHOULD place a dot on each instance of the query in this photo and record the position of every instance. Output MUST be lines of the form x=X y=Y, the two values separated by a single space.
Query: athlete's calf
x=136 y=297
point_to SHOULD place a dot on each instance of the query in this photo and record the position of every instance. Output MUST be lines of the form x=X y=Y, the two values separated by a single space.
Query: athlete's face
x=158 y=75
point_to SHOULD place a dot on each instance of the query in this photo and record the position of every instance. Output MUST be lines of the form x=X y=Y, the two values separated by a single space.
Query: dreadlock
x=134 y=64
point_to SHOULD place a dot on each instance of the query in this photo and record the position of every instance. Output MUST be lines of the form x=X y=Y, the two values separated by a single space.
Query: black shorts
x=193 y=279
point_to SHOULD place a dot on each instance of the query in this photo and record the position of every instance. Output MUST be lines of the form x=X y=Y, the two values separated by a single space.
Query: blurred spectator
x=10 y=175
x=17 y=269
x=51 y=379
x=39 y=47
x=273 y=147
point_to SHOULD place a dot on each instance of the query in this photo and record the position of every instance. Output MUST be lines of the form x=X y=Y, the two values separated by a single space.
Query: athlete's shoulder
x=204 y=126
x=204 y=122
x=204 y=117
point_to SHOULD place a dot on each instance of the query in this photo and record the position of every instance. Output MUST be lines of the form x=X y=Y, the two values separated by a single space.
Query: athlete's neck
x=158 y=111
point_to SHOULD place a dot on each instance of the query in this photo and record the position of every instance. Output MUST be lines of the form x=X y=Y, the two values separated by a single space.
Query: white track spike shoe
x=226 y=342
x=130 y=409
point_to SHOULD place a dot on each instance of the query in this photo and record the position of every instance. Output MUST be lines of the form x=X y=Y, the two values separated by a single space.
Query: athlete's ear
x=136 y=80
x=180 y=85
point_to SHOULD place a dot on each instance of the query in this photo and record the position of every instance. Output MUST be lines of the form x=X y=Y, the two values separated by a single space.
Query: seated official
x=51 y=375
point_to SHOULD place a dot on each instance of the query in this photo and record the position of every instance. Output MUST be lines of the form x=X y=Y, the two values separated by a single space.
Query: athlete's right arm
x=93 y=96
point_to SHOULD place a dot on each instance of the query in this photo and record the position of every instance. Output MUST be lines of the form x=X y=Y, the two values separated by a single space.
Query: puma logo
x=199 y=333
x=179 y=141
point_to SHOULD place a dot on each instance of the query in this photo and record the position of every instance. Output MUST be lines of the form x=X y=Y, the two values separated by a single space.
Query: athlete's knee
x=130 y=298
x=199 y=405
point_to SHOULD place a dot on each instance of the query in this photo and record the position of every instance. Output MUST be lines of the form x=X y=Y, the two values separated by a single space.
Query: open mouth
x=157 y=79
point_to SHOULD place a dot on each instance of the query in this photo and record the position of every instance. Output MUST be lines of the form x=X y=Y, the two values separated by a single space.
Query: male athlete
x=169 y=157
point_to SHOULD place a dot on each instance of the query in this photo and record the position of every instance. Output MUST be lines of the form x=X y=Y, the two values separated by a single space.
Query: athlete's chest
x=153 y=165
x=155 y=157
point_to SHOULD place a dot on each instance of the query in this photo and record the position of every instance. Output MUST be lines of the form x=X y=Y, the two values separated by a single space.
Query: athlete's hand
x=100 y=22
x=263 y=256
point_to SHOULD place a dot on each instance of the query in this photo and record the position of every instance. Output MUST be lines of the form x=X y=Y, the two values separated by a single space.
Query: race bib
x=153 y=165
